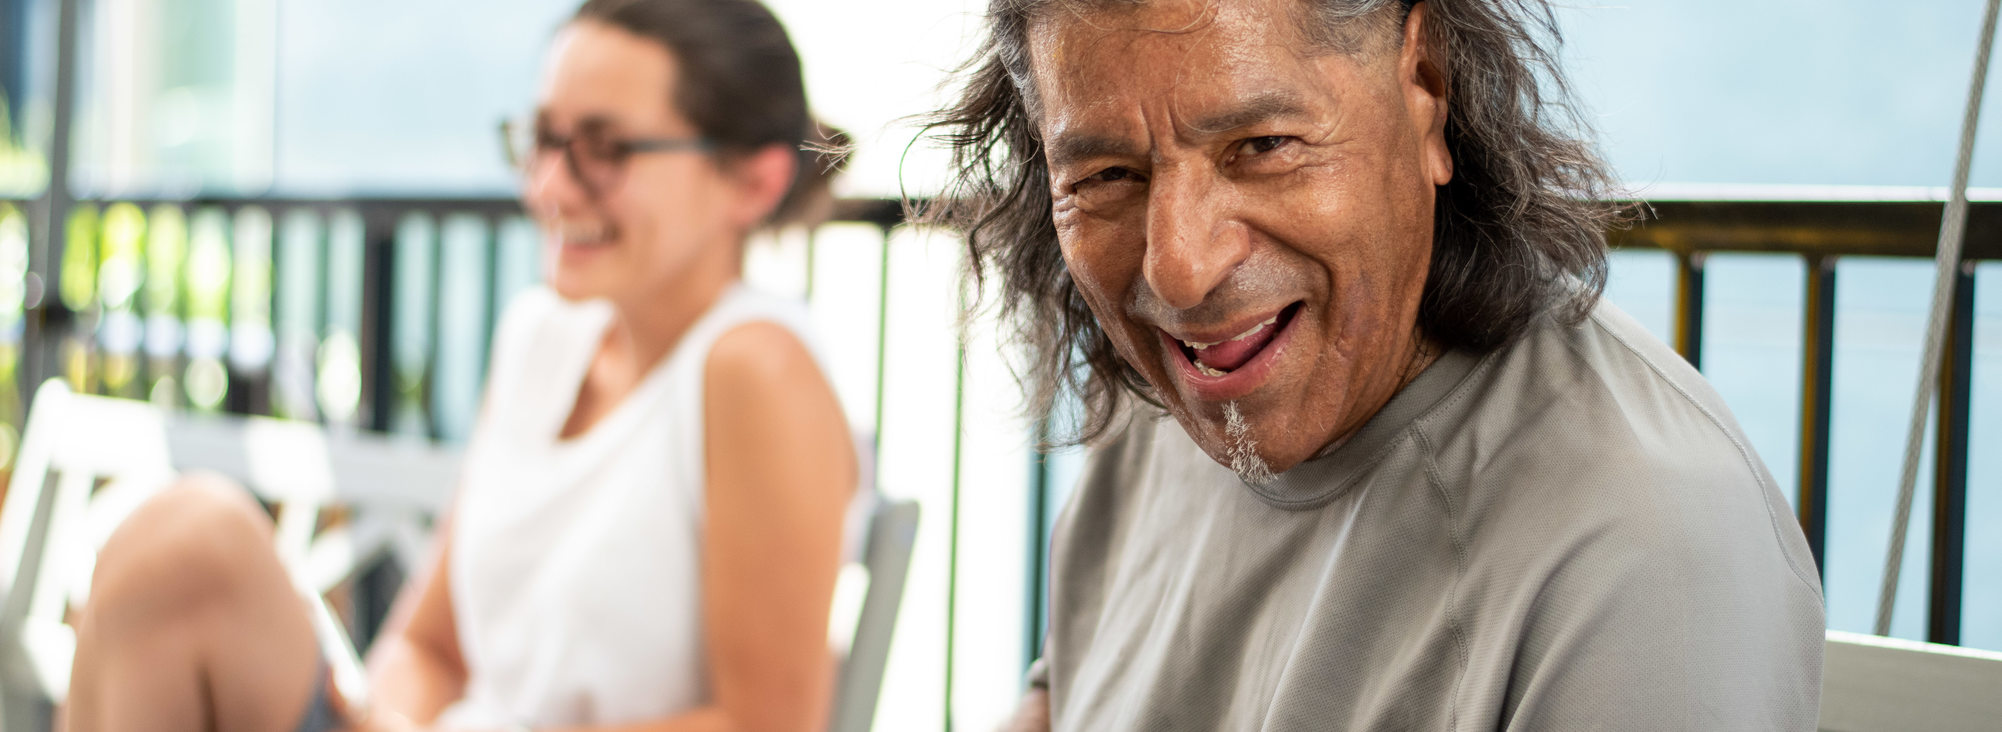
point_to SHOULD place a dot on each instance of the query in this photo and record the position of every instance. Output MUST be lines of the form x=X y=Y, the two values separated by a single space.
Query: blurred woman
x=650 y=520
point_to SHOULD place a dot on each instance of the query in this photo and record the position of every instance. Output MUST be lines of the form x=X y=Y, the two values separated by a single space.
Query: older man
x=1418 y=477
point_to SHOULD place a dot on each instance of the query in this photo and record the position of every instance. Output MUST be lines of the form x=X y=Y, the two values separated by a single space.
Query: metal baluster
x=375 y=587
x=1817 y=385
x=1038 y=561
x=253 y=335
x=1949 y=524
x=496 y=243
x=434 y=341
x=1689 y=306
x=378 y=324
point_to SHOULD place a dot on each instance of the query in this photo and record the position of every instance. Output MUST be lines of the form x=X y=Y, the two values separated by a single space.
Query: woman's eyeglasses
x=595 y=159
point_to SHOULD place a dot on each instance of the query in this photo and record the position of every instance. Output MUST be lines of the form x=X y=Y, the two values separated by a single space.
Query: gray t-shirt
x=1569 y=533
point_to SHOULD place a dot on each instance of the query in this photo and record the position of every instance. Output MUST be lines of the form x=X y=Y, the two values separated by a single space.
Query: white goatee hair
x=1243 y=451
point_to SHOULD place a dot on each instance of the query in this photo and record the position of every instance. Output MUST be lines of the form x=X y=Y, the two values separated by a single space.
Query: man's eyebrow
x=1068 y=148
x=1258 y=108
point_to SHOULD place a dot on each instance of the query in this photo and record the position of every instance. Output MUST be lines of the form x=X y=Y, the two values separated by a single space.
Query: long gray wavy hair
x=1519 y=233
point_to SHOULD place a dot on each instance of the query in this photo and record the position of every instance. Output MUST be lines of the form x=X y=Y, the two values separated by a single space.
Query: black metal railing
x=1821 y=232
x=341 y=311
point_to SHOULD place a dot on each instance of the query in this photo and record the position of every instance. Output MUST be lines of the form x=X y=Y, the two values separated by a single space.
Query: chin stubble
x=1243 y=450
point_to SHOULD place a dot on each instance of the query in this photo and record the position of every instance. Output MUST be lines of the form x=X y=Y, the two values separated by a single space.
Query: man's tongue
x=1231 y=354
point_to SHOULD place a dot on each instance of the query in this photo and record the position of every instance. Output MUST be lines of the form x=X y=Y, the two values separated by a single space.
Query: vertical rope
x=952 y=541
x=882 y=345
x=1952 y=230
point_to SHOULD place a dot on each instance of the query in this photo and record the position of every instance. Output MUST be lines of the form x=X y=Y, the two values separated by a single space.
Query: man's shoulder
x=1600 y=429
x=1602 y=394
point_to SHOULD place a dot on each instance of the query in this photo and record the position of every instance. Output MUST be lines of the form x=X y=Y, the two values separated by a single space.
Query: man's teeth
x=1241 y=336
x=1205 y=370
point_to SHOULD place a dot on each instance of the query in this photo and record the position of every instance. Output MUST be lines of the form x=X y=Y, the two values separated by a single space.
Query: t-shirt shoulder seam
x=1744 y=452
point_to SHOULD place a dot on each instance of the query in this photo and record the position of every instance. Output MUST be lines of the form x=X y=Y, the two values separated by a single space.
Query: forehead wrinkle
x=1258 y=107
x=1205 y=16
x=1261 y=94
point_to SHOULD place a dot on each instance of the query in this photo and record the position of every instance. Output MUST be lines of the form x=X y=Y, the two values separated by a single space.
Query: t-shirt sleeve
x=1642 y=628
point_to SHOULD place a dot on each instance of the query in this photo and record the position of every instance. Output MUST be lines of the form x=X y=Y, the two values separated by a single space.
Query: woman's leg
x=192 y=624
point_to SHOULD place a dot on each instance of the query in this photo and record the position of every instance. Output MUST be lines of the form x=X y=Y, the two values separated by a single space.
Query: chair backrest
x=1875 y=684
x=887 y=555
x=87 y=462
x=391 y=487
x=70 y=446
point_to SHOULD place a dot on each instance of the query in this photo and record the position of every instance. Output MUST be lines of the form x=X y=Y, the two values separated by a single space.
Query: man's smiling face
x=1249 y=215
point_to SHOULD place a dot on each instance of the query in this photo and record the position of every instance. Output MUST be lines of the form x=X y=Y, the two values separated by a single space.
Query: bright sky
x=389 y=95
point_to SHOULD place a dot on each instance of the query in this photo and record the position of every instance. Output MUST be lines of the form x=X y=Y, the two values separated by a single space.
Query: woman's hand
x=384 y=722
x=372 y=718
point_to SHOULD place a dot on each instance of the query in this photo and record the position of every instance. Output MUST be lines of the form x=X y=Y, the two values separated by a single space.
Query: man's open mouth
x=1219 y=358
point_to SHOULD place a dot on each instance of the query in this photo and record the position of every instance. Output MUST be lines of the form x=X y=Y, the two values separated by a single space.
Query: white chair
x=86 y=462
x=1875 y=684
x=67 y=451
x=886 y=556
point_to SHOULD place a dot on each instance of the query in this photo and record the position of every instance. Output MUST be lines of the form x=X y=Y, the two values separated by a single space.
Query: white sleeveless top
x=576 y=564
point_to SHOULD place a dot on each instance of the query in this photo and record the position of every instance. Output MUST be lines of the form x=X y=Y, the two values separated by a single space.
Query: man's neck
x=1423 y=353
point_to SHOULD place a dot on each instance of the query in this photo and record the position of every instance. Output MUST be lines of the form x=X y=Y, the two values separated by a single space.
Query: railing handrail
x=1872 y=221
x=882 y=212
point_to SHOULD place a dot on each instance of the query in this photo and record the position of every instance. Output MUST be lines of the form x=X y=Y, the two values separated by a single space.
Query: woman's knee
x=195 y=542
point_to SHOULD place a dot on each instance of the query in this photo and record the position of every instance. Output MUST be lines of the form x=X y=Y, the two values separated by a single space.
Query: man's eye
x=1261 y=145
x=1110 y=175
x=1106 y=188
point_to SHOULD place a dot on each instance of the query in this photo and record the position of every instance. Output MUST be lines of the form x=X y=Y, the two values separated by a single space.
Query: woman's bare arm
x=781 y=472
x=415 y=667
x=1033 y=715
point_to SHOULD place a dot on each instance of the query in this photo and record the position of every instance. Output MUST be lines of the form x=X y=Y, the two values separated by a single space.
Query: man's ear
x=1422 y=75
x=761 y=180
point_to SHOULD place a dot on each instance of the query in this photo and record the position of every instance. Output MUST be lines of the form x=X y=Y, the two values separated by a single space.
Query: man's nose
x=1193 y=243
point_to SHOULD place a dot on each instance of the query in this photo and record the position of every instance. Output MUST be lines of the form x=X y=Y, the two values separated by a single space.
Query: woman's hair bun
x=823 y=155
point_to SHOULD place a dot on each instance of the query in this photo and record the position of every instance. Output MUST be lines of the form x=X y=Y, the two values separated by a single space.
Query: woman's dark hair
x=740 y=85
x=1518 y=234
